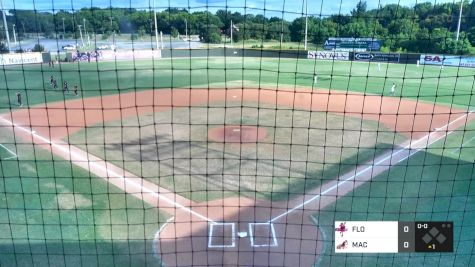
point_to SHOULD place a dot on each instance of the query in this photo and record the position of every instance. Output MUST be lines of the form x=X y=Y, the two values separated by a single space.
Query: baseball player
x=51 y=81
x=75 y=91
x=65 y=87
x=393 y=89
x=18 y=98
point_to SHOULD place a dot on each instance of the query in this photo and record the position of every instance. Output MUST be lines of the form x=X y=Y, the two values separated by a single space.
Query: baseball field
x=230 y=161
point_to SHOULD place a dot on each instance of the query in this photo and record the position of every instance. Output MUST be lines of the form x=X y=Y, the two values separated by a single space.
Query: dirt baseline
x=292 y=240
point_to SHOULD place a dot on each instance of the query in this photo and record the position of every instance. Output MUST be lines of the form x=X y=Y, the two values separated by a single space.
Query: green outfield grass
x=450 y=86
x=433 y=185
x=53 y=213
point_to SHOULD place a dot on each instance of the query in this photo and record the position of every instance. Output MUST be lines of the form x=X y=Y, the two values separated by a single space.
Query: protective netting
x=232 y=133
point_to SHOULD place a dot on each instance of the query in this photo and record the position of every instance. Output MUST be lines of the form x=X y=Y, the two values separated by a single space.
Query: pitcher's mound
x=237 y=134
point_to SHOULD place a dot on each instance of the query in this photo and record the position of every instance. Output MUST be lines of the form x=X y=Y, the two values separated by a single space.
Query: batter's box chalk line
x=222 y=235
x=262 y=235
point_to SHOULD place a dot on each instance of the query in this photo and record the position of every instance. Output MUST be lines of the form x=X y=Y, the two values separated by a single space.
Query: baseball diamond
x=238 y=134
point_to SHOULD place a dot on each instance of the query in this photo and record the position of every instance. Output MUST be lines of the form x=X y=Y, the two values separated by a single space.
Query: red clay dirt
x=184 y=241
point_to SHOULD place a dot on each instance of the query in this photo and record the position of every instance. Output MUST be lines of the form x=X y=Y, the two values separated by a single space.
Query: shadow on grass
x=29 y=252
x=330 y=172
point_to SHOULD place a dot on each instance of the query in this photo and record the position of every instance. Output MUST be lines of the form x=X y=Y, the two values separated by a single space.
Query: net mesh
x=235 y=133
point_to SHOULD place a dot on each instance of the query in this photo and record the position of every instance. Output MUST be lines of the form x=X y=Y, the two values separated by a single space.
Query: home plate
x=234 y=96
x=236 y=130
x=242 y=234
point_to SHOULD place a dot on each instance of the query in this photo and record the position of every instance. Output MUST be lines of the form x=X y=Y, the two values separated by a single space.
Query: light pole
x=113 y=32
x=85 y=32
x=186 y=30
x=460 y=20
x=156 y=26
x=14 y=34
x=80 y=34
x=231 y=33
x=5 y=25
x=161 y=39
x=306 y=23
x=64 y=31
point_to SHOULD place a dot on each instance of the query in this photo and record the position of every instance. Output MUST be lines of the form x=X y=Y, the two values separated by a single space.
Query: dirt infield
x=203 y=234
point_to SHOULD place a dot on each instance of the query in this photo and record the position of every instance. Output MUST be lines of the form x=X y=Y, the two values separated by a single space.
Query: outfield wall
x=233 y=52
x=300 y=54
x=20 y=58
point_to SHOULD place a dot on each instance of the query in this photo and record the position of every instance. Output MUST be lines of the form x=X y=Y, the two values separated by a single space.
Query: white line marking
x=409 y=146
x=14 y=155
x=324 y=237
x=106 y=170
x=157 y=236
x=233 y=235
x=459 y=148
x=272 y=229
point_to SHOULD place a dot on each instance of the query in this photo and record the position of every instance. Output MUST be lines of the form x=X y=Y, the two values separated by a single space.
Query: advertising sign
x=20 y=58
x=352 y=44
x=329 y=55
x=445 y=60
x=378 y=57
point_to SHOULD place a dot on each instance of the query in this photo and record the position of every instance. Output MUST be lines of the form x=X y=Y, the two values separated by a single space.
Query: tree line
x=425 y=27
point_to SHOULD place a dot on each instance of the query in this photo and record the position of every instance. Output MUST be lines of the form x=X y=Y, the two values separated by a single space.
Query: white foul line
x=108 y=171
x=459 y=148
x=14 y=155
x=374 y=164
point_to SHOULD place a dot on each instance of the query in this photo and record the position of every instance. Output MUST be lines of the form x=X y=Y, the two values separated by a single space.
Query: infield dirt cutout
x=278 y=233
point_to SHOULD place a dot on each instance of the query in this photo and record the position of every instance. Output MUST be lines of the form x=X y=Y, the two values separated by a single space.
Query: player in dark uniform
x=18 y=98
x=75 y=90
x=65 y=87
x=51 y=81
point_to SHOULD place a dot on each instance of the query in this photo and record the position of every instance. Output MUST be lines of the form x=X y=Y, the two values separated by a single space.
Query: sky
x=292 y=8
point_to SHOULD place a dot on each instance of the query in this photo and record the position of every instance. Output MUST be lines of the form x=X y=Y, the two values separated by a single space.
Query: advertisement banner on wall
x=329 y=55
x=377 y=57
x=445 y=60
x=20 y=58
